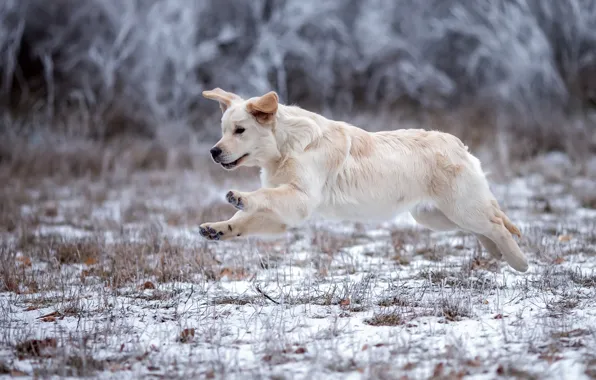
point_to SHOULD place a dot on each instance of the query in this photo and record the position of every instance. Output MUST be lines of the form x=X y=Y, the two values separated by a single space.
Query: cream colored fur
x=312 y=165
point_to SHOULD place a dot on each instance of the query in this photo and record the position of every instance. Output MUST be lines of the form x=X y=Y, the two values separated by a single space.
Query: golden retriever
x=311 y=164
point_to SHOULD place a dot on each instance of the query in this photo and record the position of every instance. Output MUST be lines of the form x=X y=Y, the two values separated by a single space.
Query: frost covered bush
x=114 y=67
x=77 y=57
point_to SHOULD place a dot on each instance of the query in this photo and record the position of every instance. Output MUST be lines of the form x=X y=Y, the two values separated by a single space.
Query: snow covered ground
x=109 y=278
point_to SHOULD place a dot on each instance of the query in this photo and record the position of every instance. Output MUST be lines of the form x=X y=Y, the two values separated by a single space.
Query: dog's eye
x=239 y=130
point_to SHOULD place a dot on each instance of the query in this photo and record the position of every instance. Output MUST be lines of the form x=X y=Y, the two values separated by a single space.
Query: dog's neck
x=296 y=128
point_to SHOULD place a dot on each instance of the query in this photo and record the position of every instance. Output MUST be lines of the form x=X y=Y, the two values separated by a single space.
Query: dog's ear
x=264 y=108
x=224 y=98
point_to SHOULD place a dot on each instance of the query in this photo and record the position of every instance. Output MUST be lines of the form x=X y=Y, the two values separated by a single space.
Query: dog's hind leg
x=243 y=224
x=490 y=246
x=434 y=219
x=470 y=204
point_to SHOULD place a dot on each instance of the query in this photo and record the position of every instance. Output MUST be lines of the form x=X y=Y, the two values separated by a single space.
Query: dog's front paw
x=210 y=233
x=235 y=199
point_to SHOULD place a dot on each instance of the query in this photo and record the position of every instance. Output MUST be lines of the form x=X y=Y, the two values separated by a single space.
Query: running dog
x=313 y=165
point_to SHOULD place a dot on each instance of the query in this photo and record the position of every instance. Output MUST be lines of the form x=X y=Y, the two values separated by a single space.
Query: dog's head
x=247 y=129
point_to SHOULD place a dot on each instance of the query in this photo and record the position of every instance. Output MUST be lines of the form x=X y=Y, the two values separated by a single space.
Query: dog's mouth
x=233 y=164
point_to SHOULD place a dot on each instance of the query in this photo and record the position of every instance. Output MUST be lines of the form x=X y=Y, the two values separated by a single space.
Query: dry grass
x=386 y=319
x=89 y=259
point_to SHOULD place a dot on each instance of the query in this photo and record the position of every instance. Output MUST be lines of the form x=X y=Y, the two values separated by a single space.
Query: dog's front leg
x=244 y=224
x=289 y=202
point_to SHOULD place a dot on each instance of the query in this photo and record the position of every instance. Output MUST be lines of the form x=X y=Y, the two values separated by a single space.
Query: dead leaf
x=51 y=211
x=439 y=368
x=52 y=314
x=50 y=317
x=409 y=366
x=16 y=373
x=225 y=272
x=565 y=238
x=344 y=302
x=187 y=335
x=474 y=363
x=86 y=273
x=559 y=260
x=148 y=285
x=233 y=274
x=365 y=347
x=25 y=261
x=91 y=261
x=300 y=350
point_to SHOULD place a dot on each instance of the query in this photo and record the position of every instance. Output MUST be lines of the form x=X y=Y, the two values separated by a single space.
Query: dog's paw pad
x=210 y=233
x=234 y=200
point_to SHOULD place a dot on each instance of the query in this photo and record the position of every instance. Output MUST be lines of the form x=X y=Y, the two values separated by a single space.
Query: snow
x=305 y=305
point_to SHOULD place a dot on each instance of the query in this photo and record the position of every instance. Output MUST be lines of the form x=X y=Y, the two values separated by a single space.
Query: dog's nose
x=215 y=152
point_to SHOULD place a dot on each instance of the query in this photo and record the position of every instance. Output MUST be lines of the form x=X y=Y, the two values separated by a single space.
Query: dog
x=311 y=165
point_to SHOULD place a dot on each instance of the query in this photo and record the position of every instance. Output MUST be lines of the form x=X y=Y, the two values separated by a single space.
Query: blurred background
x=105 y=178
x=90 y=85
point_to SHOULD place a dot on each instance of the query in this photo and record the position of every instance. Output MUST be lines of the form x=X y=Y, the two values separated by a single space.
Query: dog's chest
x=268 y=181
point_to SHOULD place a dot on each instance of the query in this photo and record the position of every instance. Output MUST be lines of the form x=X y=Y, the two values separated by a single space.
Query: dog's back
x=385 y=173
